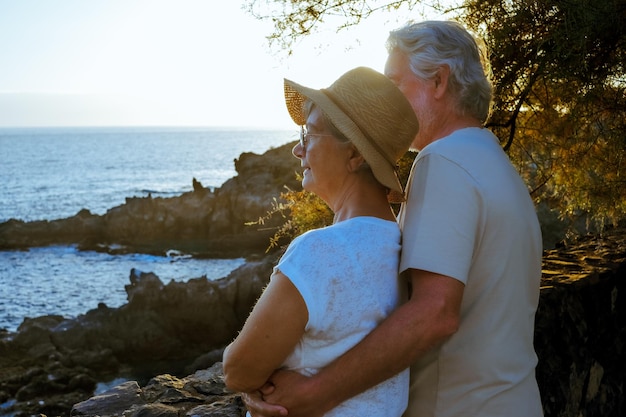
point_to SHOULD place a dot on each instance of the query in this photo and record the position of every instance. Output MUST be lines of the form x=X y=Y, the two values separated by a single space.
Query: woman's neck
x=363 y=201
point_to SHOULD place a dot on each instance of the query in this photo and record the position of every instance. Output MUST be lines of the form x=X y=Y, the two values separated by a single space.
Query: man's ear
x=441 y=81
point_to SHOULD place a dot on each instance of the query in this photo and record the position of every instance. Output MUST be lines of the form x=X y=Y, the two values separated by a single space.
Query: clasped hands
x=284 y=393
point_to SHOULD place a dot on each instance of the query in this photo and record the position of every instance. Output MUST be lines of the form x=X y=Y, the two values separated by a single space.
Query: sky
x=163 y=63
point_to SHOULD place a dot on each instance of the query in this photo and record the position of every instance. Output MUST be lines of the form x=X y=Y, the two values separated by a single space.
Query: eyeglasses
x=304 y=137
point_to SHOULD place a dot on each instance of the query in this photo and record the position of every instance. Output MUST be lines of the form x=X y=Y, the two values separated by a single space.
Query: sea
x=53 y=173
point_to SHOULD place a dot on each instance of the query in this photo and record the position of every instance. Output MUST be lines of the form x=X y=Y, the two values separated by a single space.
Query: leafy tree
x=560 y=97
x=560 y=87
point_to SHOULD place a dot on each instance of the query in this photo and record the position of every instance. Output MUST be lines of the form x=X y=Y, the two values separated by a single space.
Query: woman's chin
x=306 y=184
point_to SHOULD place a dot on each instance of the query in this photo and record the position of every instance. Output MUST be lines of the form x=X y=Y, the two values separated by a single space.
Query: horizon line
x=146 y=126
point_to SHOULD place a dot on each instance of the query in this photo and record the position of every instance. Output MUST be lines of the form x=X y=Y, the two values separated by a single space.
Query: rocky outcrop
x=580 y=334
x=200 y=394
x=201 y=222
x=51 y=363
x=167 y=331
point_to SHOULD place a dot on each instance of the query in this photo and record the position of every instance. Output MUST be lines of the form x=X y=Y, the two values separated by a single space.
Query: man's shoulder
x=463 y=143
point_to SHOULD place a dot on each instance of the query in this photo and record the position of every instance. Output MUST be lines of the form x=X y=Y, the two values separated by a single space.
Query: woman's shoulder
x=362 y=227
x=360 y=223
x=370 y=224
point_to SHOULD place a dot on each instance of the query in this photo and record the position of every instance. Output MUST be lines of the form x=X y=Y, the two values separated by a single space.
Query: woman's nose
x=297 y=150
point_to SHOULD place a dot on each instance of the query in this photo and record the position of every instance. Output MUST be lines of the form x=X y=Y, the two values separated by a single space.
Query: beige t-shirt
x=469 y=216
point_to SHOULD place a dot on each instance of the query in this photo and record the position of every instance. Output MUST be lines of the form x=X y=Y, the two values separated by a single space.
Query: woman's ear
x=356 y=159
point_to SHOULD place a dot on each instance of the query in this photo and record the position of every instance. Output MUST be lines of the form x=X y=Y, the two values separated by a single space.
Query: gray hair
x=432 y=44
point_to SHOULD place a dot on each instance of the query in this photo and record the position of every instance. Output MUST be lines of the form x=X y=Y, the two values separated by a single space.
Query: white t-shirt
x=469 y=216
x=347 y=275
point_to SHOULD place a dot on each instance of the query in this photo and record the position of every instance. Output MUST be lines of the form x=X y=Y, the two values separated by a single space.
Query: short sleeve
x=440 y=218
x=300 y=264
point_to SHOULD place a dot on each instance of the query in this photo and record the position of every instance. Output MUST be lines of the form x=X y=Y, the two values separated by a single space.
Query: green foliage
x=560 y=98
x=301 y=210
x=293 y=20
x=404 y=166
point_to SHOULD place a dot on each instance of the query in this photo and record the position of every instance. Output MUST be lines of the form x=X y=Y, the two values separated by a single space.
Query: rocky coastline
x=159 y=354
x=204 y=222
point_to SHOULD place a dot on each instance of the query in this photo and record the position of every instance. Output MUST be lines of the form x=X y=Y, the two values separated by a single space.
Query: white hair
x=431 y=44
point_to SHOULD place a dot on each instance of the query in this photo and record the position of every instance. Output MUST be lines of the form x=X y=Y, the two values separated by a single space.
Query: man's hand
x=295 y=392
x=285 y=393
x=258 y=407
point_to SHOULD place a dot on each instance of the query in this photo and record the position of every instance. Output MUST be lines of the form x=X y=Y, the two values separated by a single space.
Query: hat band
x=369 y=139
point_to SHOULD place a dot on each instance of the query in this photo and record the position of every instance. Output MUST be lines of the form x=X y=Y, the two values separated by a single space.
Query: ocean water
x=53 y=173
x=48 y=174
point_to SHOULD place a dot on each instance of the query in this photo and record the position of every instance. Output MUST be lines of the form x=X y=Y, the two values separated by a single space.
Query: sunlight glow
x=162 y=62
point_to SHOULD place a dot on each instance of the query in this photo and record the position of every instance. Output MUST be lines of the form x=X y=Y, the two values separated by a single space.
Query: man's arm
x=424 y=322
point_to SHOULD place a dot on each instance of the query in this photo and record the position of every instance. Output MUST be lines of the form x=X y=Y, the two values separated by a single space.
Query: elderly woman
x=334 y=285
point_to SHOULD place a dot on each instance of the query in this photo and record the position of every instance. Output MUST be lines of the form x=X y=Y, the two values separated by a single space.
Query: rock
x=580 y=332
x=200 y=394
x=112 y=402
x=201 y=222
x=197 y=185
x=206 y=360
x=51 y=363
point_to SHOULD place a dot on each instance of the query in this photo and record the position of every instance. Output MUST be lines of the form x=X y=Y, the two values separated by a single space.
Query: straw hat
x=370 y=111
